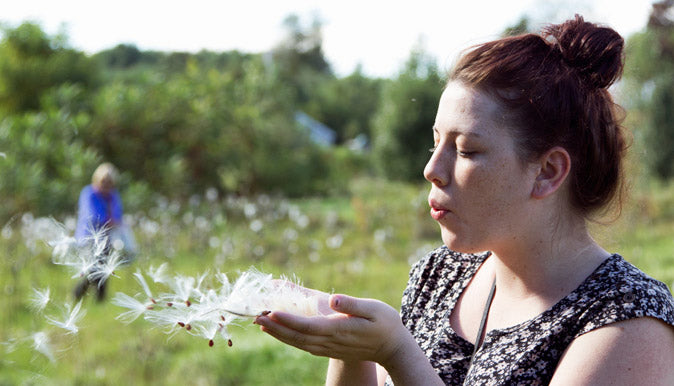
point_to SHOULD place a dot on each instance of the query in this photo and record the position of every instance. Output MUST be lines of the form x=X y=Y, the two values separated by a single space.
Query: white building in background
x=320 y=133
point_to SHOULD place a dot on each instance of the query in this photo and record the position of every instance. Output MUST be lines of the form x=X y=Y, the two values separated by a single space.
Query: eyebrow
x=459 y=132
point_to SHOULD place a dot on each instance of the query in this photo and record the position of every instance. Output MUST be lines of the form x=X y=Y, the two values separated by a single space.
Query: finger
x=309 y=325
x=310 y=343
x=364 y=308
x=322 y=298
x=314 y=344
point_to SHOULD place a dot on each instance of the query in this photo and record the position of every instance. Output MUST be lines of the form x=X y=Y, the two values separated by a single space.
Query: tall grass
x=362 y=244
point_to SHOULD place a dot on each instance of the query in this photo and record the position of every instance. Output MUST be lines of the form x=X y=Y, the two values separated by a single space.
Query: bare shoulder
x=635 y=351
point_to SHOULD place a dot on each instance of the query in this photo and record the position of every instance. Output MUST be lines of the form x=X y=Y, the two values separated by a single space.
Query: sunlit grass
x=644 y=233
x=361 y=244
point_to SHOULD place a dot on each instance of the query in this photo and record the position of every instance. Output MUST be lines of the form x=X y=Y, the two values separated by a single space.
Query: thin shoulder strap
x=480 y=331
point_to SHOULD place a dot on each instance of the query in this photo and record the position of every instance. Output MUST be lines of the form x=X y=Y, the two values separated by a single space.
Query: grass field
x=361 y=244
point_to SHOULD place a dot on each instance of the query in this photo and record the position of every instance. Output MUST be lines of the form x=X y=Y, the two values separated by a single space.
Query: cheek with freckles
x=489 y=199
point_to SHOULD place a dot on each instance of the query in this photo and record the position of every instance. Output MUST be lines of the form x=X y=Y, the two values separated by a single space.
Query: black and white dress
x=529 y=352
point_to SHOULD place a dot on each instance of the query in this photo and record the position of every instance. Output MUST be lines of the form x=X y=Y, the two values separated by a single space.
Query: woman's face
x=480 y=189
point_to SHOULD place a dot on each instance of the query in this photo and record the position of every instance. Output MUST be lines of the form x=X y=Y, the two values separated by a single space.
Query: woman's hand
x=351 y=329
x=354 y=331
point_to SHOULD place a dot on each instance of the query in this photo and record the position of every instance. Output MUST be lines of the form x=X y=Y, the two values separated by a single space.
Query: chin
x=457 y=243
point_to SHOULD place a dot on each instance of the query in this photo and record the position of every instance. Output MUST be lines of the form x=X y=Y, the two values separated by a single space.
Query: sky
x=377 y=35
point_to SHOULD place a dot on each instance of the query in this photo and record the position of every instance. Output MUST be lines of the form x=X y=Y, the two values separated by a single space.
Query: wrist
x=399 y=354
x=350 y=372
x=408 y=364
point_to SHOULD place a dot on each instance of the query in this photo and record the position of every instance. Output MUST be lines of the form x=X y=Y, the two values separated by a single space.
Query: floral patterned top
x=527 y=353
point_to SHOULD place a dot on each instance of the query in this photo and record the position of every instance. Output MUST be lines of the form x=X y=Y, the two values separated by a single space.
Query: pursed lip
x=437 y=210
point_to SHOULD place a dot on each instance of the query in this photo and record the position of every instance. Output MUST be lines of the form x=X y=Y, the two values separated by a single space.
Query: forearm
x=351 y=373
x=410 y=366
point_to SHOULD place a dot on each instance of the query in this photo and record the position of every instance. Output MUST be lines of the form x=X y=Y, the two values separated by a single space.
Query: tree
x=45 y=161
x=182 y=133
x=122 y=56
x=649 y=79
x=521 y=27
x=402 y=125
x=661 y=135
x=299 y=58
x=31 y=62
x=346 y=104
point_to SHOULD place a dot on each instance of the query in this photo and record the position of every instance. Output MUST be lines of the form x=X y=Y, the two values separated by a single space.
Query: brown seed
x=150 y=307
x=169 y=304
x=210 y=343
x=181 y=324
x=188 y=303
x=222 y=317
x=153 y=301
x=229 y=342
x=188 y=327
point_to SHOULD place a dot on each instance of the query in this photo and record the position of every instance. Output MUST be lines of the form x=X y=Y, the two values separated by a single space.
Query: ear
x=555 y=165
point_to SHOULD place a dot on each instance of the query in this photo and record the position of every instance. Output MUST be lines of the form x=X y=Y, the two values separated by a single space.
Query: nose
x=437 y=169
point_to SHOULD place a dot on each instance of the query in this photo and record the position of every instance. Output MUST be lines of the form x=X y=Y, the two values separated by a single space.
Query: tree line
x=179 y=123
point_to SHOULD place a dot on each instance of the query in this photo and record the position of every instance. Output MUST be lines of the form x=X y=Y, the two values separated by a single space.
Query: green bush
x=403 y=124
x=203 y=128
x=45 y=163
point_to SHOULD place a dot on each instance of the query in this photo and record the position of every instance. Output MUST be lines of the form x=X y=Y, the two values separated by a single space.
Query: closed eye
x=465 y=154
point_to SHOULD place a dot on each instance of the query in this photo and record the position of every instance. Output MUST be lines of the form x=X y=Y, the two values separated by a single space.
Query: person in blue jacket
x=99 y=213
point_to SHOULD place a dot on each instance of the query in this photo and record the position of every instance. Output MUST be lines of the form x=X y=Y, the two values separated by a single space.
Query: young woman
x=528 y=147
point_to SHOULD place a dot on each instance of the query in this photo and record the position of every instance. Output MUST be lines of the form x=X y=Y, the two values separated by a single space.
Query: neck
x=547 y=265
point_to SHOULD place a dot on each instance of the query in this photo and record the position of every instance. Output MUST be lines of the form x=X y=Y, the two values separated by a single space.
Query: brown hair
x=553 y=87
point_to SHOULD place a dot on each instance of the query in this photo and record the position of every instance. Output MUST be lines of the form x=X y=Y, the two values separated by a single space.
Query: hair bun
x=595 y=52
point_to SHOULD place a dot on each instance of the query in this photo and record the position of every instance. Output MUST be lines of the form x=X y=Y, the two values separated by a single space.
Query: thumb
x=364 y=308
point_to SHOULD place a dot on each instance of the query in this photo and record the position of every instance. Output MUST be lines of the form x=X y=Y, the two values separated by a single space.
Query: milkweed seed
x=169 y=304
x=188 y=303
x=229 y=342
x=153 y=301
x=210 y=343
x=150 y=307
x=188 y=327
x=222 y=317
x=181 y=324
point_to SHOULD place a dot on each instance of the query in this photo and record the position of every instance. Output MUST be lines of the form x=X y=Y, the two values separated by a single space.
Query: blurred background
x=289 y=136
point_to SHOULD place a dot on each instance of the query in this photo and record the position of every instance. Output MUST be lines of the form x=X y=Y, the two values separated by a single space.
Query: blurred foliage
x=174 y=123
x=522 y=26
x=126 y=60
x=402 y=127
x=298 y=59
x=346 y=104
x=179 y=123
x=203 y=127
x=31 y=63
x=649 y=78
x=45 y=162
